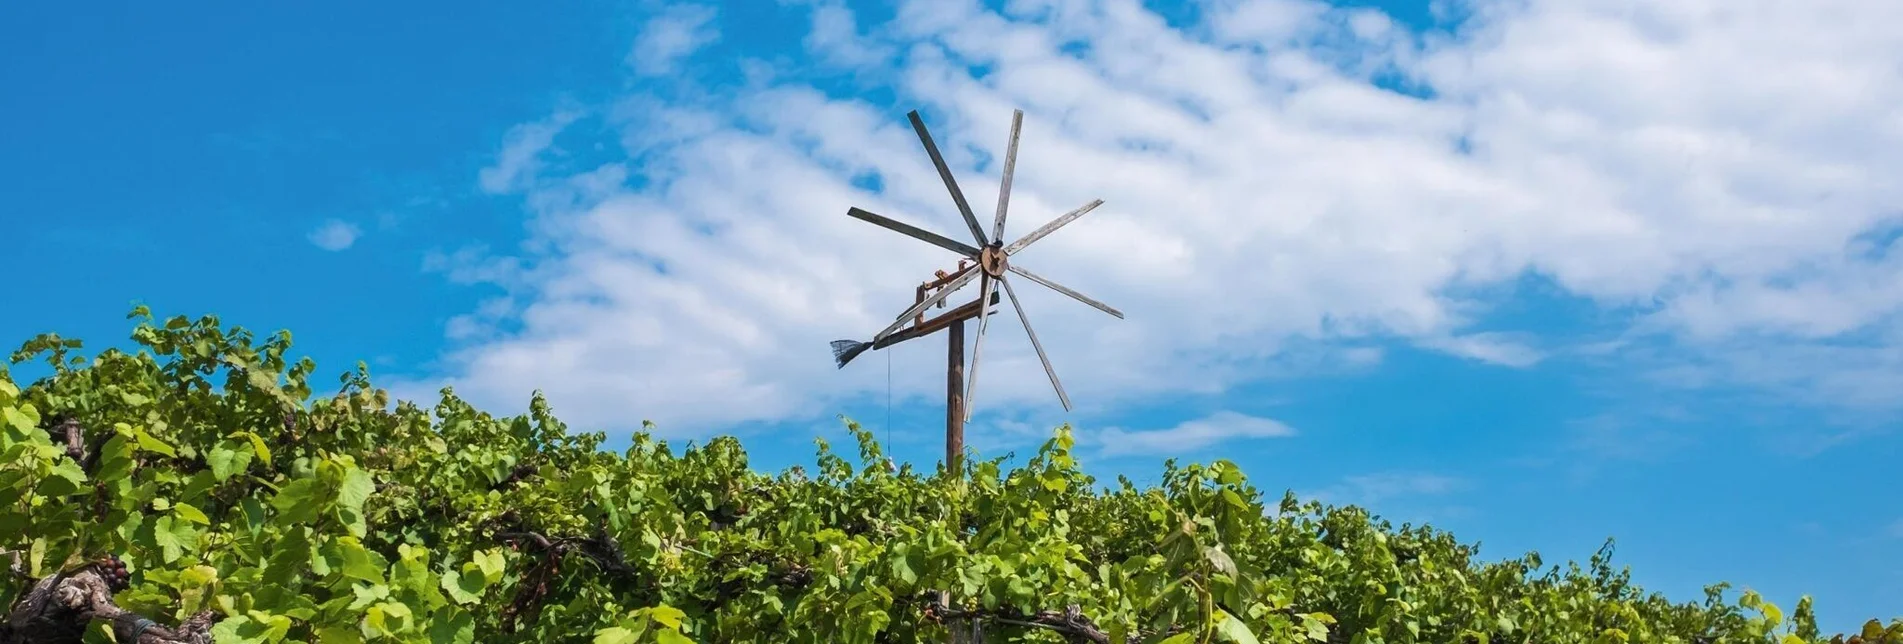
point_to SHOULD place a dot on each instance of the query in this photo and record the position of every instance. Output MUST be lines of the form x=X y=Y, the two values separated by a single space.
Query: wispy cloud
x=1413 y=497
x=520 y=158
x=678 y=32
x=1373 y=489
x=335 y=235
x=1627 y=435
x=1493 y=348
x=1188 y=436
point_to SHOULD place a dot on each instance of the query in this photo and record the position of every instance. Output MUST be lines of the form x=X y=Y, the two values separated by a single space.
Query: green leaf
x=296 y=502
x=1772 y=614
x=187 y=512
x=198 y=575
x=19 y=421
x=226 y=461
x=463 y=589
x=357 y=562
x=377 y=620
x=239 y=629
x=36 y=558
x=276 y=626
x=289 y=557
x=666 y=615
x=252 y=627
x=614 y=635
x=356 y=488
x=154 y=445
x=491 y=564
x=1229 y=473
x=671 y=637
x=1220 y=560
x=1054 y=481
x=115 y=459
x=902 y=568
x=173 y=536
x=1315 y=626
x=65 y=479
x=258 y=447
x=339 y=634
x=1231 y=629
x=395 y=609
x=457 y=627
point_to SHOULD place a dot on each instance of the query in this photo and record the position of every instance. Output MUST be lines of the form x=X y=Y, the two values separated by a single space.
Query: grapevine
x=200 y=489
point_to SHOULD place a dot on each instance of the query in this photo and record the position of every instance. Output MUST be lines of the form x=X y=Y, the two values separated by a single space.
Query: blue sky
x=1538 y=272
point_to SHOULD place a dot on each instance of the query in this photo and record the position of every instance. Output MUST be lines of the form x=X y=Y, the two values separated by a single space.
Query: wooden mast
x=955 y=397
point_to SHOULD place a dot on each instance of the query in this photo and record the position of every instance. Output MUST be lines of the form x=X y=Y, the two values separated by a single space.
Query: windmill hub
x=991 y=259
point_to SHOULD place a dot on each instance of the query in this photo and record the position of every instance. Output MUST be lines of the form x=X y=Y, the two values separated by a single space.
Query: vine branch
x=58 y=609
x=601 y=548
x=1070 y=623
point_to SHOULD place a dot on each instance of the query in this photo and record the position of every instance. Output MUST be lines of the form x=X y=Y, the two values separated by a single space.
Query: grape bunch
x=114 y=572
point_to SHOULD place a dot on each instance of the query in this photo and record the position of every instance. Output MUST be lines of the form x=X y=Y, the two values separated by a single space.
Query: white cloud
x=481 y=323
x=335 y=235
x=1707 y=166
x=835 y=37
x=678 y=32
x=1188 y=436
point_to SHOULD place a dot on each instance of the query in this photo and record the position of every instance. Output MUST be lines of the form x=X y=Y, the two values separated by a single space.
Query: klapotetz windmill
x=989 y=262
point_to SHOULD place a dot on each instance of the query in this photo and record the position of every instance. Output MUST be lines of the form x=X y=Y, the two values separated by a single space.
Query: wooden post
x=955 y=398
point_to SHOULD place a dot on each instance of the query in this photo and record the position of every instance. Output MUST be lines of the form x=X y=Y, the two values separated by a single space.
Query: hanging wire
x=888 y=401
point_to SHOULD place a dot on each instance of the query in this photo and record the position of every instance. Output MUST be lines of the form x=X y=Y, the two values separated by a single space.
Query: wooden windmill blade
x=995 y=260
x=1051 y=227
x=997 y=233
x=1065 y=290
x=1026 y=321
x=915 y=232
x=993 y=263
x=944 y=172
x=988 y=252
